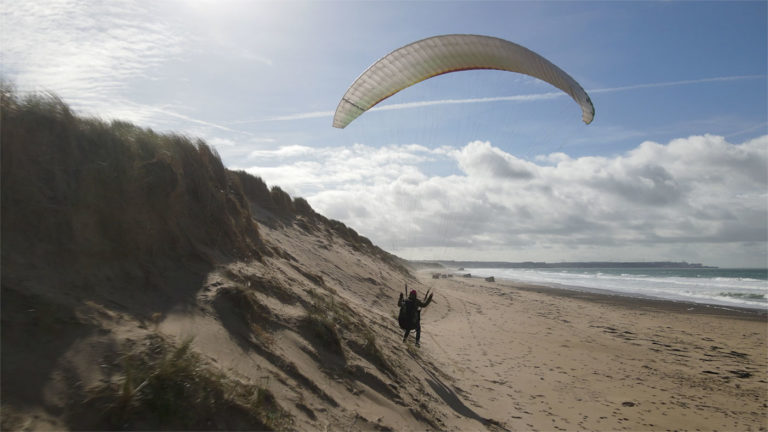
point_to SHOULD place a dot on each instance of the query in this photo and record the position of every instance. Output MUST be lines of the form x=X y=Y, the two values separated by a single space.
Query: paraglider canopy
x=439 y=55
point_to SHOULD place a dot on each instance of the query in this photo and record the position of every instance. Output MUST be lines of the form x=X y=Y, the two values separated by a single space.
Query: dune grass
x=374 y=354
x=116 y=190
x=322 y=321
x=173 y=388
x=111 y=187
x=327 y=317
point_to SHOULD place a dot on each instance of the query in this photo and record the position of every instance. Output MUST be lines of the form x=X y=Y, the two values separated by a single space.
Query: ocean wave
x=749 y=296
x=720 y=290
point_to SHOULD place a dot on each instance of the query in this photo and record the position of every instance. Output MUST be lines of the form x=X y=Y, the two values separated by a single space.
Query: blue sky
x=673 y=167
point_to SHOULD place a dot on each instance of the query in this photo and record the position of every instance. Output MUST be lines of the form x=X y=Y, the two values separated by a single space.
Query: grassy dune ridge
x=113 y=234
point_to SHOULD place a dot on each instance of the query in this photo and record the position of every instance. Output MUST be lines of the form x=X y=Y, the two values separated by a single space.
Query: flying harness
x=408 y=318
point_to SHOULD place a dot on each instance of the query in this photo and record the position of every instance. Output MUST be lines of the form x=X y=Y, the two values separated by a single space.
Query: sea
x=744 y=288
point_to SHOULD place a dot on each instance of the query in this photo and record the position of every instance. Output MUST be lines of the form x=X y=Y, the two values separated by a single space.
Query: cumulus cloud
x=331 y=167
x=693 y=198
x=282 y=152
x=479 y=159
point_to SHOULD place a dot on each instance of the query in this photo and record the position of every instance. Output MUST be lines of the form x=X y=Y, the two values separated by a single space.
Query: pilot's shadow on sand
x=450 y=397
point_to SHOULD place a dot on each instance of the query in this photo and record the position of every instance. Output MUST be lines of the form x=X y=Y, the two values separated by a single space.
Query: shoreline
x=637 y=302
x=630 y=300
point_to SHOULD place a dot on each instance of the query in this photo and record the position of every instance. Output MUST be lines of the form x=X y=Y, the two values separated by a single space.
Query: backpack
x=407 y=316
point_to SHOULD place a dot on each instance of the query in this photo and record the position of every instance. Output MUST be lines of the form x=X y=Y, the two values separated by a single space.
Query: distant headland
x=575 y=264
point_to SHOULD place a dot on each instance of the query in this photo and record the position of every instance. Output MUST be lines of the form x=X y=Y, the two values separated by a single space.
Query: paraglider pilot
x=410 y=313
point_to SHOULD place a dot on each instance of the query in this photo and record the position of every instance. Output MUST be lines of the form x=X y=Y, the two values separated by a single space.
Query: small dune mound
x=173 y=388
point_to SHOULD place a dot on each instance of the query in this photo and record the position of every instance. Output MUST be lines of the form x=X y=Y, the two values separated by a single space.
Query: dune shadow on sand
x=449 y=396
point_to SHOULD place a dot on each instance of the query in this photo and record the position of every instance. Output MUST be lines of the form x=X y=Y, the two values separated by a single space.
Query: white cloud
x=299 y=116
x=282 y=152
x=93 y=53
x=327 y=173
x=701 y=196
x=479 y=159
x=678 y=83
x=221 y=142
x=82 y=50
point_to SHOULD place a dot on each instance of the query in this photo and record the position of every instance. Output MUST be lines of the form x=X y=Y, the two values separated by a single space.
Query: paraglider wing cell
x=439 y=55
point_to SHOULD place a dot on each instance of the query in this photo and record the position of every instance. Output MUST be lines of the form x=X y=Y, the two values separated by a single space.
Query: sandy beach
x=506 y=356
x=494 y=355
x=546 y=359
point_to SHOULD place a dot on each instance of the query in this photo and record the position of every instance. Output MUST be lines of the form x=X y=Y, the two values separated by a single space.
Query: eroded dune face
x=136 y=278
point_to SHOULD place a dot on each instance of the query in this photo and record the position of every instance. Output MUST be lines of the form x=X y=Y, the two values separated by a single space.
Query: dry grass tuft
x=169 y=387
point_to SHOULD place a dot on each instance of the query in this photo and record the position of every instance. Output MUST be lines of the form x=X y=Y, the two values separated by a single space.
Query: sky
x=674 y=166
